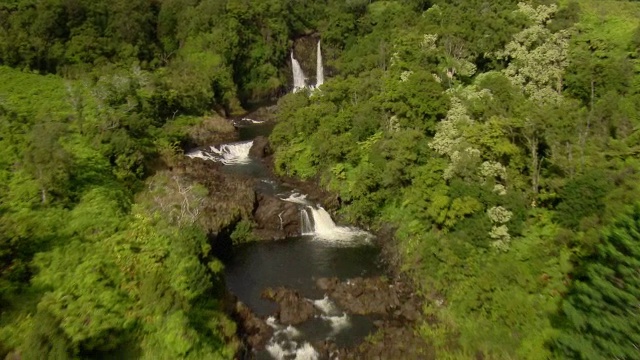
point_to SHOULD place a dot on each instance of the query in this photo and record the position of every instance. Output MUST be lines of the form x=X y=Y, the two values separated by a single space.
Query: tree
x=47 y=160
x=600 y=316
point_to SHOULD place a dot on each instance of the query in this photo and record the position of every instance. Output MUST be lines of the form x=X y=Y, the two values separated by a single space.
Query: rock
x=253 y=330
x=275 y=219
x=260 y=148
x=410 y=311
x=373 y=295
x=365 y=296
x=293 y=309
x=327 y=284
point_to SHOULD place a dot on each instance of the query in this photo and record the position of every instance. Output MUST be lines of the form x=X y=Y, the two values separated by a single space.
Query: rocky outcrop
x=275 y=219
x=260 y=148
x=399 y=309
x=253 y=330
x=212 y=130
x=293 y=308
x=375 y=295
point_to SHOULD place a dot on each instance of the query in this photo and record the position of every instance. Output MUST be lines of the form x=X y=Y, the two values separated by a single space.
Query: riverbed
x=321 y=250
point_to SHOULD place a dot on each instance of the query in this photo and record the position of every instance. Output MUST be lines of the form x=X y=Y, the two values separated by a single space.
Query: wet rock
x=327 y=284
x=326 y=349
x=293 y=308
x=366 y=296
x=275 y=219
x=260 y=148
x=252 y=329
x=374 y=295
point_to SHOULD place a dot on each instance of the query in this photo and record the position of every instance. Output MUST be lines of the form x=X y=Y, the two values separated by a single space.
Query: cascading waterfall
x=325 y=228
x=299 y=80
x=306 y=226
x=320 y=223
x=319 y=68
x=233 y=153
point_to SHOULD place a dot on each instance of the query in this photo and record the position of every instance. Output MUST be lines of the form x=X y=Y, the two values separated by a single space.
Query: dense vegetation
x=501 y=139
x=104 y=249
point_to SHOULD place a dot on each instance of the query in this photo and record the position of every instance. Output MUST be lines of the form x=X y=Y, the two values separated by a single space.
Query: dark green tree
x=600 y=316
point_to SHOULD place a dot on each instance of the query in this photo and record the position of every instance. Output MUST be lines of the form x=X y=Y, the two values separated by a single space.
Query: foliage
x=102 y=273
x=598 y=318
x=499 y=139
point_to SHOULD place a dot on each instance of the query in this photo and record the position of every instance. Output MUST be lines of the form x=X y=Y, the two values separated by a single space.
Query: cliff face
x=304 y=50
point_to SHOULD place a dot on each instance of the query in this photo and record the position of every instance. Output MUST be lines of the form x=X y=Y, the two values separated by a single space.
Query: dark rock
x=373 y=295
x=252 y=329
x=275 y=219
x=327 y=284
x=293 y=308
x=260 y=147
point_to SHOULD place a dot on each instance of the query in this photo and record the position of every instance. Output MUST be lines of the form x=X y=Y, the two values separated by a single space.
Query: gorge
x=458 y=180
x=320 y=249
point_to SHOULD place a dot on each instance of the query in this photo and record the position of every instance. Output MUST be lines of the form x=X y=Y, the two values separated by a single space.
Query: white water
x=338 y=323
x=306 y=226
x=299 y=80
x=297 y=198
x=326 y=229
x=326 y=306
x=233 y=153
x=252 y=120
x=320 y=224
x=319 y=68
x=282 y=344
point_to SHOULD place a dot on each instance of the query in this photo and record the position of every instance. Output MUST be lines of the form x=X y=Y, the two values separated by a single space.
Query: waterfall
x=233 y=153
x=299 y=80
x=320 y=224
x=306 y=226
x=326 y=229
x=319 y=68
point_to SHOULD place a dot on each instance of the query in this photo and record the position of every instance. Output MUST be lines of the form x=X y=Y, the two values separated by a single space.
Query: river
x=297 y=262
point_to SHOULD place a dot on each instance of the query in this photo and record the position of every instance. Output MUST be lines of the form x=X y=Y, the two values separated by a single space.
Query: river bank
x=378 y=305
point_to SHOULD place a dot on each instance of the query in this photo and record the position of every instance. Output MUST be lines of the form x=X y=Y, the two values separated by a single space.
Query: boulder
x=252 y=329
x=293 y=308
x=373 y=295
x=260 y=148
x=275 y=219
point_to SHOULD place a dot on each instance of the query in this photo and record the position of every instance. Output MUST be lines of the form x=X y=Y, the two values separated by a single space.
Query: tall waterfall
x=233 y=153
x=299 y=80
x=319 y=68
x=306 y=226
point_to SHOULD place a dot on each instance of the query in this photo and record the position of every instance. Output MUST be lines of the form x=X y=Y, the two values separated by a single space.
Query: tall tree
x=600 y=316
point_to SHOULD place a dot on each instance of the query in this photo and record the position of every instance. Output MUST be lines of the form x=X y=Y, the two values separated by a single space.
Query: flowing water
x=319 y=68
x=299 y=80
x=324 y=249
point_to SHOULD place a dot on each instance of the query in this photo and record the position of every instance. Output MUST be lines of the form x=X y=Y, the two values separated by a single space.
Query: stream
x=323 y=250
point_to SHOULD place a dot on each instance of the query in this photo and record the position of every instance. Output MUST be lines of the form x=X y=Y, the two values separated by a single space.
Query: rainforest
x=291 y=179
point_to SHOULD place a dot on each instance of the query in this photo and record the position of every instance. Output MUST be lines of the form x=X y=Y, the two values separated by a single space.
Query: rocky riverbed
x=233 y=198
